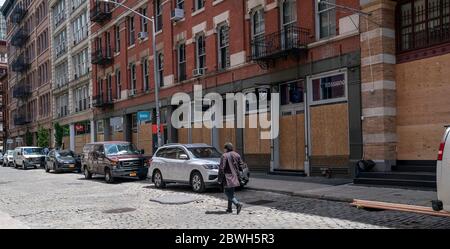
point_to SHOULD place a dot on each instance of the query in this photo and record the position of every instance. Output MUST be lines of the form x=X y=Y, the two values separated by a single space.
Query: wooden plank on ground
x=399 y=207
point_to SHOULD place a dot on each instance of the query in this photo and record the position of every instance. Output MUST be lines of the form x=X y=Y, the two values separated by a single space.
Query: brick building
x=308 y=52
x=3 y=93
x=29 y=77
x=71 y=88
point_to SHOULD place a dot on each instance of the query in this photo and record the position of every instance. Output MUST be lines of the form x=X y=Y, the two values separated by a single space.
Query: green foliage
x=43 y=137
x=59 y=134
x=29 y=138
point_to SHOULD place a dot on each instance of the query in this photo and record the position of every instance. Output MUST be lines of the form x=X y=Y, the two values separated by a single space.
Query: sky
x=1 y=2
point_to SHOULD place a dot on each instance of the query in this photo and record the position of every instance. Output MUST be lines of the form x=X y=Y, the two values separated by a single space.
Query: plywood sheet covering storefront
x=227 y=135
x=183 y=135
x=117 y=136
x=292 y=142
x=66 y=142
x=423 y=101
x=80 y=141
x=253 y=144
x=144 y=139
x=201 y=135
x=100 y=137
x=329 y=134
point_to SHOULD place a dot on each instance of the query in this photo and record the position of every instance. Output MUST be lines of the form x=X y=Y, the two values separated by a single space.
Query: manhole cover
x=175 y=199
x=119 y=210
x=75 y=183
x=260 y=202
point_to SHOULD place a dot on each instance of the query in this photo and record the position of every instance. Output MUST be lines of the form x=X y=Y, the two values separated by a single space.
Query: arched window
x=258 y=29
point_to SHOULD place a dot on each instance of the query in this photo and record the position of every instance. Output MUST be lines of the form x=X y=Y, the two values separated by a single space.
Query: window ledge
x=158 y=32
x=217 y=2
x=333 y=39
x=198 y=11
x=132 y=46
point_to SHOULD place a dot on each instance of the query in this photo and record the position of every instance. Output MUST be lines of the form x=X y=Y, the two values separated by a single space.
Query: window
x=200 y=53
x=160 y=66
x=100 y=126
x=158 y=14
x=80 y=63
x=289 y=13
x=117 y=38
x=182 y=62
x=61 y=72
x=109 y=89
x=199 y=4
x=329 y=88
x=144 y=21
x=62 y=105
x=223 y=46
x=81 y=98
x=131 y=31
x=118 y=85
x=145 y=74
x=291 y=93
x=423 y=23
x=258 y=29
x=80 y=28
x=326 y=15
x=59 y=13
x=60 y=44
x=76 y=3
x=100 y=87
x=133 y=78
x=180 y=4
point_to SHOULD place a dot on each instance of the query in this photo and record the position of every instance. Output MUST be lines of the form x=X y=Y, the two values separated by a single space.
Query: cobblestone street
x=41 y=200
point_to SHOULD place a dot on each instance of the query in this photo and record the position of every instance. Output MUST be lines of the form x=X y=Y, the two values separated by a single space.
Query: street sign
x=144 y=117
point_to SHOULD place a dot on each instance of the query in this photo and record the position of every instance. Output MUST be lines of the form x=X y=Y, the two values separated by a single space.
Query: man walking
x=229 y=176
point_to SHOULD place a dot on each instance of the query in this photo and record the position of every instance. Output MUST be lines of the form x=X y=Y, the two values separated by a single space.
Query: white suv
x=193 y=164
x=443 y=174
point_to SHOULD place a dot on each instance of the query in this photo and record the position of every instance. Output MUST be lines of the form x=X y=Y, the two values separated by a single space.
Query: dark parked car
x=62 y=161
x=114 y=159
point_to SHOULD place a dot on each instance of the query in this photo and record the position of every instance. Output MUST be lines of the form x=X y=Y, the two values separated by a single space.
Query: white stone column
x=93 y=131
x=72 y=137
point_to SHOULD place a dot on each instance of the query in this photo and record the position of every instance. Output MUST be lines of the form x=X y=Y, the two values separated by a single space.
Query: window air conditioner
x=198 y=72
x=142 y=35
x=177 y=14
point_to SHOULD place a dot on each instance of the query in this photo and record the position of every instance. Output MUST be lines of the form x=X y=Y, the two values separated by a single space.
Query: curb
x=305 y=195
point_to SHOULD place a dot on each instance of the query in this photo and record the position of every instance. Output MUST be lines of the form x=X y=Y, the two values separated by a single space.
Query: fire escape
x=102 y=54
x=290 y=41
x=20 y=65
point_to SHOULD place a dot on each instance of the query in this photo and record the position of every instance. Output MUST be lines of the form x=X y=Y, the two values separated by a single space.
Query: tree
x=43 y=137
x=59 y=134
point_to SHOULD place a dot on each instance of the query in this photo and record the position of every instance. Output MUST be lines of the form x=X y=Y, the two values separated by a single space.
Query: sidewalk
x=338 y=189
x=7 y=222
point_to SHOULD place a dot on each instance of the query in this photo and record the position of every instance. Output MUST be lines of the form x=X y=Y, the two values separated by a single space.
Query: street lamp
x=155 y=68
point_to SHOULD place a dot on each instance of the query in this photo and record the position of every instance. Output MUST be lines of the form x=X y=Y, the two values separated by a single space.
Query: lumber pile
x=399 y=207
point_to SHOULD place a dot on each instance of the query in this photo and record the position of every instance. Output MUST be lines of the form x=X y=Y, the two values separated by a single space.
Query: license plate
x=72 y=166
x=133 y=174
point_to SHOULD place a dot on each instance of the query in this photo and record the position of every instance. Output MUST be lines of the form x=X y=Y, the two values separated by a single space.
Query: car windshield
x=205 y=152
x=120 y=149
x=32 y=151
x=10 y=152
x=64 y=154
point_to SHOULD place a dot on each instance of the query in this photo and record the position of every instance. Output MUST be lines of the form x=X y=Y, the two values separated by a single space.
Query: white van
x=443 y=174
x=26 y=157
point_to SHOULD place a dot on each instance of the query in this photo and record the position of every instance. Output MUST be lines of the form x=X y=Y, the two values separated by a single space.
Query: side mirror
x=184 y=157
x=142 y=152
x=101 y=154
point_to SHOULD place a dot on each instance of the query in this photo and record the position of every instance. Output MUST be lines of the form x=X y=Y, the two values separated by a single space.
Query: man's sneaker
x=238 y=208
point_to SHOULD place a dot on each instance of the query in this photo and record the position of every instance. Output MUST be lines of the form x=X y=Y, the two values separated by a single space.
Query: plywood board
x=287 y=143
x=100 y=137
x=329 y=130
x=251 y=137
x=300 y=142
x=227 y=135
x=422 y=106
x=183 y=135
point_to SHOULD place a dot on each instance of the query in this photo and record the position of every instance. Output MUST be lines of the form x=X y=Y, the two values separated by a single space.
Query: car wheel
x=158 y=179
x=54 y=168
x=87 y=174
x=197 y=183
x=46 y=168
x=24 y=167
x=108 y=176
